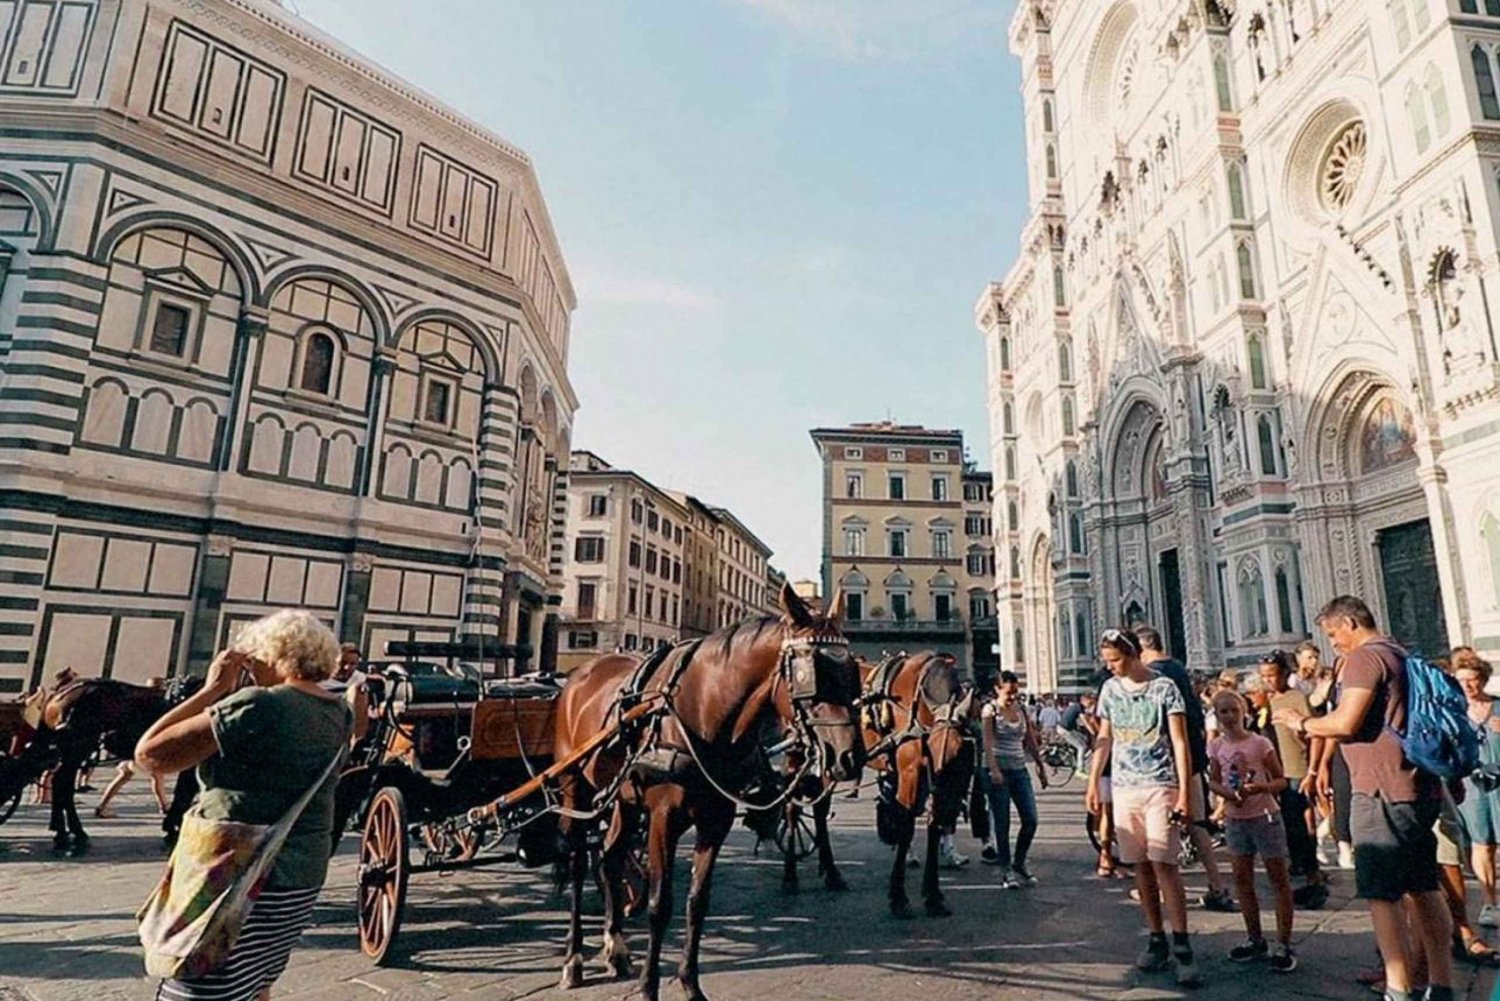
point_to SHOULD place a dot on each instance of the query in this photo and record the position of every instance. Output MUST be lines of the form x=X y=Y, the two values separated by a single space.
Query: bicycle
x=1061 y=761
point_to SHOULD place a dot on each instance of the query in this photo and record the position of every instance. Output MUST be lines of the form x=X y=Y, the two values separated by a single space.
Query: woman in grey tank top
x=1010 y=739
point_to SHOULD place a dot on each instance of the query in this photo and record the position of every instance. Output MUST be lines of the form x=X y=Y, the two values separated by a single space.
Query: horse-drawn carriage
x=435 y=752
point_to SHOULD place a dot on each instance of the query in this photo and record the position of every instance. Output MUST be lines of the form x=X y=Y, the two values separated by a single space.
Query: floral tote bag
x=193 y=918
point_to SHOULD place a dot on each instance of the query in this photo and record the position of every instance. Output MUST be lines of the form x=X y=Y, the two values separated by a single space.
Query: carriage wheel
x=795 y=835
x=383 y=871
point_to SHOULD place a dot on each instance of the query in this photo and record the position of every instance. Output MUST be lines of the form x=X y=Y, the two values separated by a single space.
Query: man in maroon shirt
x=1395 y=804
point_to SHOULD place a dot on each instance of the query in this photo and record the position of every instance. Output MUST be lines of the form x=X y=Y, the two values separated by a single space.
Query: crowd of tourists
x=1297 y=766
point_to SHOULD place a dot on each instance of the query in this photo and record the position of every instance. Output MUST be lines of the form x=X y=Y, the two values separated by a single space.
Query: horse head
x=821 y=684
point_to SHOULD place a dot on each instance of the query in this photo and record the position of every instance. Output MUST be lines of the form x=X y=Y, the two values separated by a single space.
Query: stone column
x=358 y=570
x=253 y=323
x=382 y=366
x=213 y=581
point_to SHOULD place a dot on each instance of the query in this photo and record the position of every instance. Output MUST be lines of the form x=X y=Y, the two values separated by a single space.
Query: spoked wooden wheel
x=795 y=835
x=383 y=871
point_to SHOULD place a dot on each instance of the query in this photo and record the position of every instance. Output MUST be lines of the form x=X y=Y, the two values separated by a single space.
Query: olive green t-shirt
x=273 y=745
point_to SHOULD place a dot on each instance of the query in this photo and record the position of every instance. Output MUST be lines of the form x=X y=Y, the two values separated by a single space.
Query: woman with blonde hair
x=261 y=732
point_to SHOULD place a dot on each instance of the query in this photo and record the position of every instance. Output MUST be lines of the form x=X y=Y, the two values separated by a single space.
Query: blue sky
x=777 y=214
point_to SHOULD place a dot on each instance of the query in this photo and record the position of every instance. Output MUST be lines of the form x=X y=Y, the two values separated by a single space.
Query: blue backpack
x=1439 y=738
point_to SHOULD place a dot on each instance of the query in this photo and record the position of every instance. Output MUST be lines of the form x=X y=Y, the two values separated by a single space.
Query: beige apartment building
x=899 y=542
x=700 y=572
x=743 y=562
x=624 y=579
x=649 y=567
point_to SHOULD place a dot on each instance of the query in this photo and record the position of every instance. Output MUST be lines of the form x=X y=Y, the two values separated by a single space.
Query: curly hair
x=296 y=644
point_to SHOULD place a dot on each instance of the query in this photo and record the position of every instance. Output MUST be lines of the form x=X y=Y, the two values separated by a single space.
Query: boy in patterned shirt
x=1143 y=733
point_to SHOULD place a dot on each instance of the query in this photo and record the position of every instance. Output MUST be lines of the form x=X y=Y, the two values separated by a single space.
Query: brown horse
x=76 y=721
x=918 y=738
x=680 y=768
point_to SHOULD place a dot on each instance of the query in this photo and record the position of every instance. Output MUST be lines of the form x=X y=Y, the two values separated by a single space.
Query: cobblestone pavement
x=66 y=931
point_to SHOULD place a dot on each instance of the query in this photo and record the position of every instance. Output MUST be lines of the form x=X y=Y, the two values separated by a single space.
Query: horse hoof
x=572 y=974
x=901 y=909
x=938 y=909
x=692 y=992
x=78 y=848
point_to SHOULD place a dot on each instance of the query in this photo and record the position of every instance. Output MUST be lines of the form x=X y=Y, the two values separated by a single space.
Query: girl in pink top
x=1244 y=769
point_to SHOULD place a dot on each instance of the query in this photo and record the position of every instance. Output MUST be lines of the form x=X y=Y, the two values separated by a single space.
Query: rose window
x=1343 y=167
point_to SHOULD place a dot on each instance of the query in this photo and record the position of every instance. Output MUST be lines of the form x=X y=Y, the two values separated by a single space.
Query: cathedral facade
x=276 y=328
x=1246 y=358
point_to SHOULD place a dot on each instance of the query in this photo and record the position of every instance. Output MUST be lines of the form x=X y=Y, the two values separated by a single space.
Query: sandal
x=1106 y=867
x=1476 y=951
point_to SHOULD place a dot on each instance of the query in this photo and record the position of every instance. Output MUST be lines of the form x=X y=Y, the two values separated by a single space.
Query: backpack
x=1439 y=738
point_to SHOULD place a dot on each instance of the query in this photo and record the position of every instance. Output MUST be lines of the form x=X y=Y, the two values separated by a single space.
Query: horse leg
x=826 y=866
x=932 y=894
x=791 y=812
x=616 y=951
x=905 y=827
x=713 y=823
x=576 y=866
x=666 y=828
x=75 y=825
x=64 y=780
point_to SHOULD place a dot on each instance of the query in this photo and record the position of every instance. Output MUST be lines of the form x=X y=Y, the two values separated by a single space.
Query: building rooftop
x=878 y=429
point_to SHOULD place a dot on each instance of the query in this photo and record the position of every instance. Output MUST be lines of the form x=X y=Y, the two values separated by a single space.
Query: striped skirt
x=259 y=957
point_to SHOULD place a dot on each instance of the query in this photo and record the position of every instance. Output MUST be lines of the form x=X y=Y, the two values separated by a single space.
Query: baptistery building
x=1245 y=359
x=276 y=328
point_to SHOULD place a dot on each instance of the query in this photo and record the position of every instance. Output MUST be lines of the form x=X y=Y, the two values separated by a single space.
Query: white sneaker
x=1346 y=855
x=1489 y=916
x=951 y=859
x=1320 y=854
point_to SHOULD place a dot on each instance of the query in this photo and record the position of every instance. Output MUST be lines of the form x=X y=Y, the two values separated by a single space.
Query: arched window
x=1008 y=418
x=1221 y=82
x=1416 y=113
x=1421 y=17
x=1047 y=123
x=1397 y=11
x=1012 y=516
x=1010 y=463
x=1257 y=354
x=1489 y=529
x=1484 y=79
x=1069 y=424
x=1059 y=288
x=1252 y=600
x=1065 y=633
x=1076 y=544
x=1051 y=162
x=317 y=364
x=1237 y=206
x=1072 y=479
x=1267 y=435
x=1437 y=96
x=1283 y=600
x=1064 y=362
x=1019 y=649
x=1005 y=354
x=1246 y=264
x=1015 y=562
x=1081 y=631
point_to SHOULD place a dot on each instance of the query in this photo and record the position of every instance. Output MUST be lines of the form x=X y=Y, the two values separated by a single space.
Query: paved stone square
x=66 y=932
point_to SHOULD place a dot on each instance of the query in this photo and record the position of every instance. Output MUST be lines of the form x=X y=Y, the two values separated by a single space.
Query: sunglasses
x=1113 y=635
x=1274 y=657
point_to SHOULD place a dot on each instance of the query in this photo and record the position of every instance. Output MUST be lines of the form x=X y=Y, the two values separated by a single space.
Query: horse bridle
x=807 y=686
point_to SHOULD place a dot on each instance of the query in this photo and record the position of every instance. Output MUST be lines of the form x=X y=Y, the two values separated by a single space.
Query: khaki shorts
x=1143 y=825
